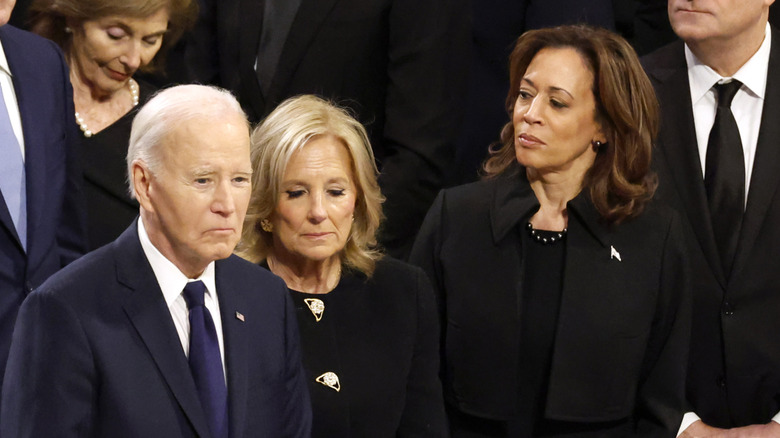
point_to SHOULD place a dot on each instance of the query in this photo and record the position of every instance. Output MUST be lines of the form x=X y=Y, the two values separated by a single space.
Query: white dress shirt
x=747 y=107
x=9 y=98
x=172 y=282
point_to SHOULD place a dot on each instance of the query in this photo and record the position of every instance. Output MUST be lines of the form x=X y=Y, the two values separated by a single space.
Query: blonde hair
x=283 y=133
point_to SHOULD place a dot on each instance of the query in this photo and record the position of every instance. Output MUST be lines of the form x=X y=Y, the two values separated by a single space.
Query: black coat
x=623 y=326
x=734 y=378
x=381 y=338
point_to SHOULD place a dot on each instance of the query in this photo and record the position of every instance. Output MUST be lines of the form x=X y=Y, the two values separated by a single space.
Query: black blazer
x=384 y=59
x=623 y=327
x=95 y=354
x=734 y=378
x=381 y=338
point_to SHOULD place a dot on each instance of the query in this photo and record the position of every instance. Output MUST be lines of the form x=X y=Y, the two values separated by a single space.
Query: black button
x=721 y=382
x=28 y=287
x=728 y=309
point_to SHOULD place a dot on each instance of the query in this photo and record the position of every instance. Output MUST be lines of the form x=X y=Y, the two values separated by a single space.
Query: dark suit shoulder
x=390 y=270
x=13 y=37
x=668 y=57
x=236 y=267
x=81 y=275
x=478 y=192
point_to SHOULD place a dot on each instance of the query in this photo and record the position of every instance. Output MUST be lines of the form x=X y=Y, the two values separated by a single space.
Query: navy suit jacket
x=55 y=220
x=734 y=376
x=96 y=353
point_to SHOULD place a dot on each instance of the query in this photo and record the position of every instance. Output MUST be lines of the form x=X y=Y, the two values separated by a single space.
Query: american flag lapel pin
x=239 y=316
x=614 y=254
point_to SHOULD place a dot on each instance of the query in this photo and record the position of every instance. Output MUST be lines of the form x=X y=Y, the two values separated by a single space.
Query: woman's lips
x=529 y=140
x=113 y=74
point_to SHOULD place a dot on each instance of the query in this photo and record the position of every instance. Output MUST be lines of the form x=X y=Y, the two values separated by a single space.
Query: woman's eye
x=115 y=33
x=524 y=94
x=292 y=194
x=557 y=104
x=152 y=40
x=336 y=192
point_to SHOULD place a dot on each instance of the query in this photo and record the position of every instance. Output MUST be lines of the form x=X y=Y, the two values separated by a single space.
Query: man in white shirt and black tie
x=718 y=160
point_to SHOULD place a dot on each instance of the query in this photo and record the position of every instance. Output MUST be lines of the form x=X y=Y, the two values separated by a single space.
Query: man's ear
x=142 y=183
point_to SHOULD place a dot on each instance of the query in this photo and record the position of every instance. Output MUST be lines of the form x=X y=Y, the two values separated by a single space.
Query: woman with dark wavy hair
x=563 y=287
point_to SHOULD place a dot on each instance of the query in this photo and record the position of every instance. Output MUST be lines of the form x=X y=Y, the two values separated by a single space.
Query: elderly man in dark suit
x=719 y=163
x=164 y=333
x=41 y=219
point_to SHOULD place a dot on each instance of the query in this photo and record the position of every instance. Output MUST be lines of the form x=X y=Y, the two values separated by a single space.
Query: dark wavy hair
x=620 y=181
x=48 y=18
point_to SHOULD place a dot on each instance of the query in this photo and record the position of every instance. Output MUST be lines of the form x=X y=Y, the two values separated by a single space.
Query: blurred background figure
x=560 y=258
x=368 y=323
x=105 y=43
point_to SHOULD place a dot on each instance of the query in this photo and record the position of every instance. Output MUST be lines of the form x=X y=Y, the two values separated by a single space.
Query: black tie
x=724 y=177
x=206 y=361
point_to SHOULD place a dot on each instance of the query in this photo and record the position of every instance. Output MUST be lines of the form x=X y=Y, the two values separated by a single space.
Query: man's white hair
x=165 y=111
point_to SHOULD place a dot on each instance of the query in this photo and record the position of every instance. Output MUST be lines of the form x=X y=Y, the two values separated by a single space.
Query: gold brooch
x=330 y=379
x=316 y=306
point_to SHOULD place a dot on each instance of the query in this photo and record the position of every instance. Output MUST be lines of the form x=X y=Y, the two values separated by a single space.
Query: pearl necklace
x=83 y=125
x=552 y=236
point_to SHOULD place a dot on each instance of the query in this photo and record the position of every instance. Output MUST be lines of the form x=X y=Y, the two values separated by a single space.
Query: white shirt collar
x=169 y=277
x=752 y=74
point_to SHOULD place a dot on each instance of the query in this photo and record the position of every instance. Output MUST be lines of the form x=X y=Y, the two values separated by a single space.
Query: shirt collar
x=169 y=277
x=752 y=74
x=4 y=62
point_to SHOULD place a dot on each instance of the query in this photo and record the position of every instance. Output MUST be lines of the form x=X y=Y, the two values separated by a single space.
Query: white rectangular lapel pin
x=239 y=316
x=613 y=254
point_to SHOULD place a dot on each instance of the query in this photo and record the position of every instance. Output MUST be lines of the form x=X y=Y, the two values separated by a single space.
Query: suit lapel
x=307 y=23
x=35 y=162
x=678 y=145
x=766 y=166
x=250 y=20
x=231 y=308
x=145 y=307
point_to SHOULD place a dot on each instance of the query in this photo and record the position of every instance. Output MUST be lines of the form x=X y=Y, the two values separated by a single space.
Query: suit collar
x=145 y=307
x=26 y=75
x=677 y=147
x=5 y=216
x=766 y=167
x=303 y=29
x=232 y=305
x=307 y=23
x=514 y=202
